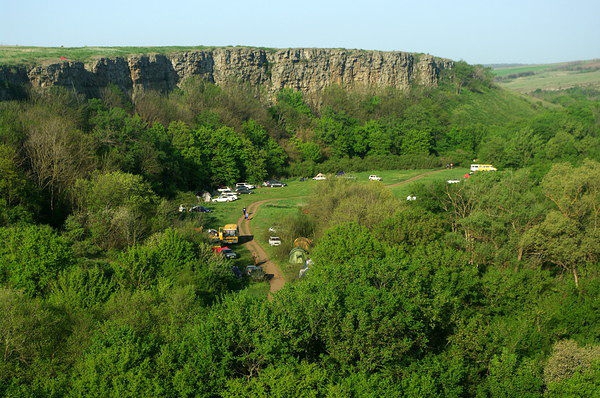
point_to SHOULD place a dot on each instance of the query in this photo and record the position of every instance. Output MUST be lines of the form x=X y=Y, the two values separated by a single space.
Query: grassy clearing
x=284 y=203
x=275 y=214
x=402 y=191
x=522 y=70
x=528 y=78
x=551 y=81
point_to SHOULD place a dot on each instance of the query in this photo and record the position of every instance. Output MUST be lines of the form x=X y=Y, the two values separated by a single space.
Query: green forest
x=485 y=288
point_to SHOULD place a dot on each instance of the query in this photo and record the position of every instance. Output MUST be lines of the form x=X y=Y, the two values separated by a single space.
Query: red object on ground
x=219 y=249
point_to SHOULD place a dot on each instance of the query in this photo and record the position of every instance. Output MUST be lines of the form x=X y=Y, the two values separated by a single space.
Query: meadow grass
x=528 y=78
x=284 y=203
x=522 y=69
x=402 y=191
x=18 y=55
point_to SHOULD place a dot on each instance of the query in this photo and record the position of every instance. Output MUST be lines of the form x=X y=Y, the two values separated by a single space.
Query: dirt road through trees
x=277 y=281
x=269 y=267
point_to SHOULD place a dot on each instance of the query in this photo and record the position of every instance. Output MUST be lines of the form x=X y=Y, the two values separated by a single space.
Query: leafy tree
x=569 y=235
x=119 y=363
x=332 y=129
x=510 y=377
x=191 y=149
x=226 y=159
x=507 y=206
x=381 y=138
x=521 y=149
x=572 y=370
x=33 y=336
x=561 y=146
x=59 y=154
x=291 y=110
x=82 y=290
x=263 y=157
x=116 y=208
x=18 y=199
x=342 y=201
x=462 y=75
x=311 y=151
x=31 y=257
x=283 y=380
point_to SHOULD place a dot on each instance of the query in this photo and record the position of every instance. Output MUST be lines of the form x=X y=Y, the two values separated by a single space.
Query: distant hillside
x=560 y=76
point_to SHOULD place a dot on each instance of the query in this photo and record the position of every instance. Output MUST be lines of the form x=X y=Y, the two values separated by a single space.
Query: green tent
x=298 y=255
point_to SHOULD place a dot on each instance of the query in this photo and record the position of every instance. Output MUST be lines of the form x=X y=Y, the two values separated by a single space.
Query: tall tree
x=569 y=236
x=116 y=208
x=58 y=154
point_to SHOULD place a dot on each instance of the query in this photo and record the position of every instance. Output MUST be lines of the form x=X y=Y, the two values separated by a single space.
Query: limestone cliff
x=307 y=70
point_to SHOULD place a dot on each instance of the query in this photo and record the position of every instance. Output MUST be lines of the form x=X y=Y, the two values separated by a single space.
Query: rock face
x=306 y=70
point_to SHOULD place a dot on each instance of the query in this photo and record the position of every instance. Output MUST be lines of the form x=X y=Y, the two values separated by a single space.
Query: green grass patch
x=276 y=214
x=528 y=78
x=24 y=55
x=259 y=289
x=284 y=203
x=402 y=191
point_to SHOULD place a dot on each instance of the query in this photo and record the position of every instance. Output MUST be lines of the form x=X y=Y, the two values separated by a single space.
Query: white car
x=274 y=241
x=453 y=181
x=231 y=195
x=223 y=198
x=319 y=177
x=374 y=177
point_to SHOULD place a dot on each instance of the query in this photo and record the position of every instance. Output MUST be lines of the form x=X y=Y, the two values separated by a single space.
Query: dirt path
x=277 y=281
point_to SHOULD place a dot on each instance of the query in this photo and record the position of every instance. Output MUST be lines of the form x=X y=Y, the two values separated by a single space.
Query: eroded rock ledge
x=307 y=70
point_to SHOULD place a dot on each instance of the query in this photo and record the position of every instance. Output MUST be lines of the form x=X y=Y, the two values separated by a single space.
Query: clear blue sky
x=478 y=32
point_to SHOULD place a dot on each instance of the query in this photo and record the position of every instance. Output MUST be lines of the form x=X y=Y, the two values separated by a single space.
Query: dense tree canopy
x=484 y=288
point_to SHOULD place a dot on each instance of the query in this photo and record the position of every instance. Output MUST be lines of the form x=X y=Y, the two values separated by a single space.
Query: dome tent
x=304 y=243
x=298 y=255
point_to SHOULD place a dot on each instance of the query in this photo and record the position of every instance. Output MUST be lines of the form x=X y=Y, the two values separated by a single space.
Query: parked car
x=255 y=272
x=374 y=177
x=274 y=241
x=244 y=184
x=236 y=271
x=228 y=253
x=223 y=198
x=453 y=181
x=274 y=183
x=225 y=251
x=319 y=177
x=243 y=190
x=200 y=209
x=231 y=195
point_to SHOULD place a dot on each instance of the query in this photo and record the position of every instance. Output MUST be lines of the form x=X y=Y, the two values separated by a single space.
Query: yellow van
x=482 y=167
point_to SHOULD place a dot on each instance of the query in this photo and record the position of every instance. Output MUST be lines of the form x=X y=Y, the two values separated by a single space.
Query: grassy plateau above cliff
x=18 y=55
